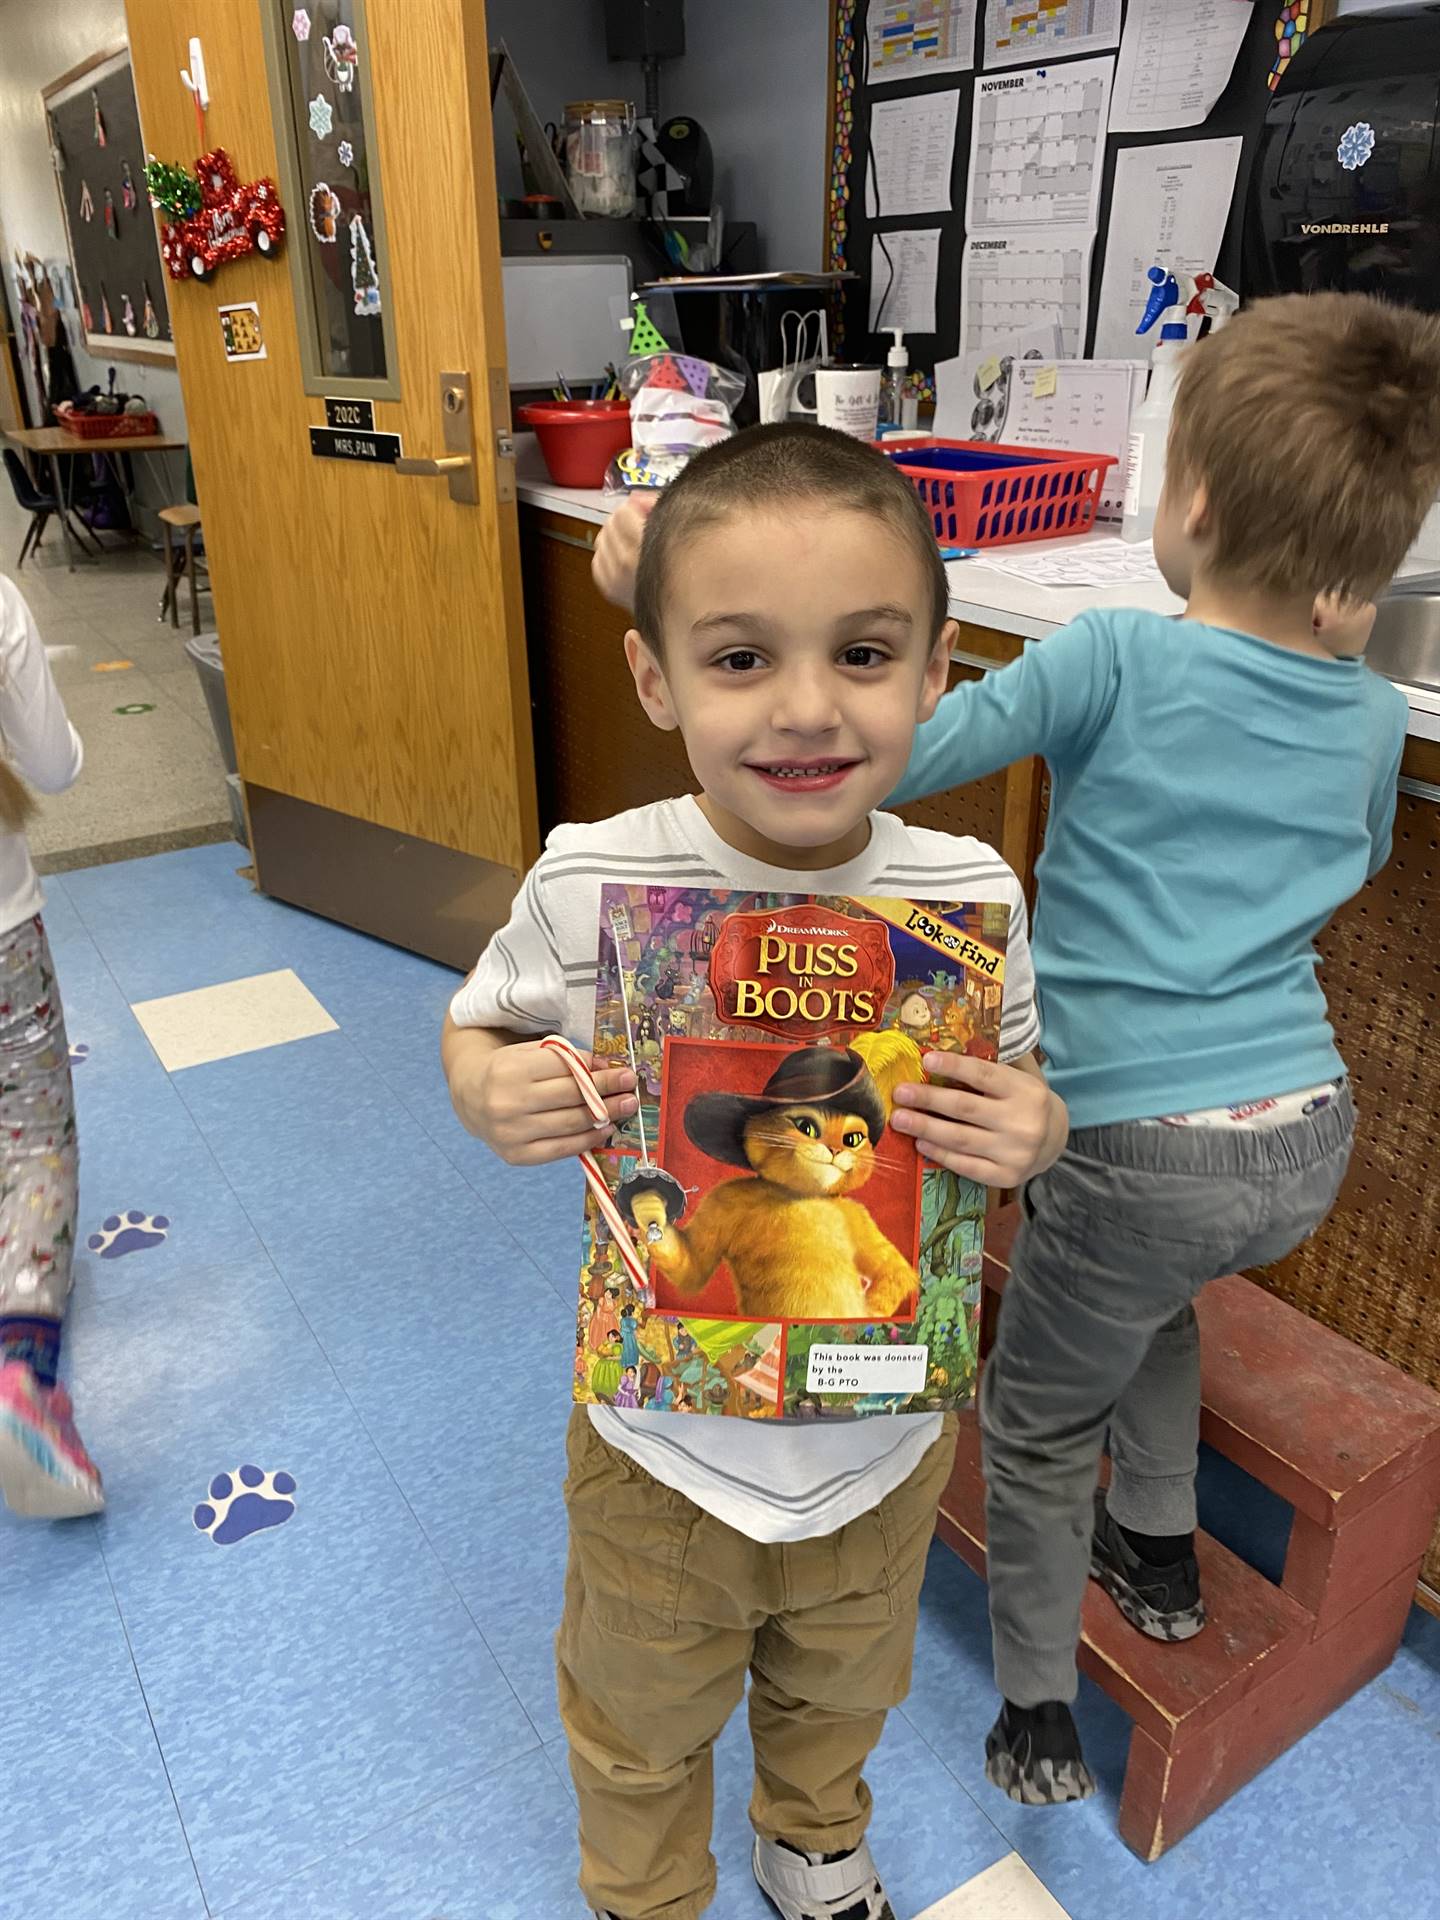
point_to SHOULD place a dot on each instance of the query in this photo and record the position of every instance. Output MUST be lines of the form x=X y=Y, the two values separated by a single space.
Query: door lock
x=457 y=464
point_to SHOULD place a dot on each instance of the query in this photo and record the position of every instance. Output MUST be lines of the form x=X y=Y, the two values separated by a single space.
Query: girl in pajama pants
x=45 y=1471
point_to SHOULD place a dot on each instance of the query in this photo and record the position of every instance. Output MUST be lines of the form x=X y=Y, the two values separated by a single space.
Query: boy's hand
x=1343 y=626
x=998 y=1125
x=524 y=1104
x=617 y=549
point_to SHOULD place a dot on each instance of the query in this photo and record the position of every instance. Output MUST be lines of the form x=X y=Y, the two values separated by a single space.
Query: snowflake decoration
x=322 y=117
x=1357 y=143
x=300 y=24
x=345 y=152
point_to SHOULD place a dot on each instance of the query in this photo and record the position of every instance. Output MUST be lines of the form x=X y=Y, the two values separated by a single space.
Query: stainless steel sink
x=1405 y=645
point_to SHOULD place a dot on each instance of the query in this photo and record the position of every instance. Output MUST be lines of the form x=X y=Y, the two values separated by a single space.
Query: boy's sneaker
x=820 y=1886
x=1033 y=1754
x=1164 y=1602
x=45 y=1472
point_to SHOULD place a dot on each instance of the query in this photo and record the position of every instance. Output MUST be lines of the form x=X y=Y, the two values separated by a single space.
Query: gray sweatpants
x=1097 y=1331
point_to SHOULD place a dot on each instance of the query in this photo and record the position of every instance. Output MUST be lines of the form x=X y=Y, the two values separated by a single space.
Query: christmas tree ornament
x=151 y=320
x=87 y=205
x=363 y=277
x=99 y=118
x=215 y=216
x=342 y=57
x=107 y=325
x=127 y=314
x=645 y=336
x=324 y=214
x=129 y=197
x=322 y=117
x=112 y=223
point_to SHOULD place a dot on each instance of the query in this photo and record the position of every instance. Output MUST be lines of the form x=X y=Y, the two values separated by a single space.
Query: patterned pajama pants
x=40 y=1167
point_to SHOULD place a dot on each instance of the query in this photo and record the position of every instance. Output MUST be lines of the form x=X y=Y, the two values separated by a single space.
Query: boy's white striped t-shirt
x=771 y=1480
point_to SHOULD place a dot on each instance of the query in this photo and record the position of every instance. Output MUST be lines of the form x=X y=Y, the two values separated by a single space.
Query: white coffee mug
x=847 y=397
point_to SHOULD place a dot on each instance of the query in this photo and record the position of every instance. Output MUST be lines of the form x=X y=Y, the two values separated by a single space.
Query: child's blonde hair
x=1313 y=423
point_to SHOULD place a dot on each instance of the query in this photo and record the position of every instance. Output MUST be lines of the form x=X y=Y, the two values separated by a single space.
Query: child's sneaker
x=1164 y=1602
x=45 y=1472
x=1033 y=1754
x=820 y=1886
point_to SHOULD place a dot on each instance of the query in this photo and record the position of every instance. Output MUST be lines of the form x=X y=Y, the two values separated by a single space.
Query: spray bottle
x=1150 y=424
x=892 y=381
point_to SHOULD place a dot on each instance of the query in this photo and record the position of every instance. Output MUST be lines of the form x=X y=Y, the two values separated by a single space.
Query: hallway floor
x=153 y=778
x=335 y=1702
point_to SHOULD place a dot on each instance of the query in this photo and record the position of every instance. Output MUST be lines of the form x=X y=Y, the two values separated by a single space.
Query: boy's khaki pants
x=666 y=1611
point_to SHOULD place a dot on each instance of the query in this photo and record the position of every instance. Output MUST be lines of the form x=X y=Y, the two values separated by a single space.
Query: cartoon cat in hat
x=798 y=1247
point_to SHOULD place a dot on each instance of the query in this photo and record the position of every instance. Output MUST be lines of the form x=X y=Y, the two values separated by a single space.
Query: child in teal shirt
x=1220 y=784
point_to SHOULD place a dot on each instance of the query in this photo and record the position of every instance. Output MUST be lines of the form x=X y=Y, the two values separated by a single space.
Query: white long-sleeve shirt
x=36 y=738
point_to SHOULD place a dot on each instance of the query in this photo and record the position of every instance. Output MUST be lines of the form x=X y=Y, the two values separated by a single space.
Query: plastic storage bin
x=991 y=496
x=578 y=438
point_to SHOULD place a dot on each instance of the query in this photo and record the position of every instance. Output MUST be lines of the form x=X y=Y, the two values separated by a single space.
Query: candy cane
x=590 y=1166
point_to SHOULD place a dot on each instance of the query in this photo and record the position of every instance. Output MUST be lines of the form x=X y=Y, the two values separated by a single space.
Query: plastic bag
x=678 y=405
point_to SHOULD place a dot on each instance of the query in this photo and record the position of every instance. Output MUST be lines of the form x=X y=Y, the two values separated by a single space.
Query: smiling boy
x=790 y=621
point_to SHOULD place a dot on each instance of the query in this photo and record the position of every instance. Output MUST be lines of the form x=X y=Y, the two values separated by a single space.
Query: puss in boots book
x=758 y=1240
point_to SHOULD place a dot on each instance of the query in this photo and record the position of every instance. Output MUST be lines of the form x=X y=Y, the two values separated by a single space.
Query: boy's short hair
x=787 y=466
x=1313 y=423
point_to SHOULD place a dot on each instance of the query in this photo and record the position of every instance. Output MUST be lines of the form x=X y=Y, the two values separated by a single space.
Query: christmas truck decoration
x=214 y=216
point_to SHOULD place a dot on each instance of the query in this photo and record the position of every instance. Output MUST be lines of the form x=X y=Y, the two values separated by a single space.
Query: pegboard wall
x=849 y=231
x=1373 y=1270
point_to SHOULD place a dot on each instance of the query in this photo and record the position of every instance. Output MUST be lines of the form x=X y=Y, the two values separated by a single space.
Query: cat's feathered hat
x=832 y=1079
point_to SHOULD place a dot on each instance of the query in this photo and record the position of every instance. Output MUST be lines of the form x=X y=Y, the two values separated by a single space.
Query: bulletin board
x=1238 y=111
x=116 y=261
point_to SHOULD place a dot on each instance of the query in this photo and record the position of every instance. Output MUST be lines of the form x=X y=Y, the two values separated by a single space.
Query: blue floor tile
x=91 y=1830
x=313 y=1680
x=504 y=1849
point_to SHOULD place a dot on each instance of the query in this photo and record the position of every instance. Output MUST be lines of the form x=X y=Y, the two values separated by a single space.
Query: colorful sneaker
x=1163 y=1602
x=820 y=1886
x=45 y=1472
x=1033 y=1754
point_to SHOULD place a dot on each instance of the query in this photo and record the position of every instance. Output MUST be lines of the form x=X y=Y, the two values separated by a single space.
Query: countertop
x=980 y=594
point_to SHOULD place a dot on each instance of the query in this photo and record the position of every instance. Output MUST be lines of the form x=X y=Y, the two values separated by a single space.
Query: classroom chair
x=40 y=505
x=184 y=559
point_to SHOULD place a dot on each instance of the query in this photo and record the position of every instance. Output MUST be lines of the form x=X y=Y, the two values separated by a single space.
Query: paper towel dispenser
x=1345 y=190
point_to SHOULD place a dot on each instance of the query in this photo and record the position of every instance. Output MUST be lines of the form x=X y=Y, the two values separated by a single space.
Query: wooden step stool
x=1354 y=1446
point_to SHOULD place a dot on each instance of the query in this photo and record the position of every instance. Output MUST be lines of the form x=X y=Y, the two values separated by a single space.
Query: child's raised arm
x=1052 y=700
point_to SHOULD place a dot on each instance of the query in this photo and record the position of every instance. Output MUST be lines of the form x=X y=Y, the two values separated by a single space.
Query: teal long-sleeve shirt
x=1214 y=799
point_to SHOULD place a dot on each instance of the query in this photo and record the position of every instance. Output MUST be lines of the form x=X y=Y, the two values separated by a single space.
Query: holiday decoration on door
x=215 y=217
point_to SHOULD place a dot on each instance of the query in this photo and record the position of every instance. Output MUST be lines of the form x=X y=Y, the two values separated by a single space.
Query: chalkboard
x=115 y=262
x=1239 y=110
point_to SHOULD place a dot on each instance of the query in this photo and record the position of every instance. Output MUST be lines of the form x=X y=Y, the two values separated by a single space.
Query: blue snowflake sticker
x=1357 y=143
x=322 y=115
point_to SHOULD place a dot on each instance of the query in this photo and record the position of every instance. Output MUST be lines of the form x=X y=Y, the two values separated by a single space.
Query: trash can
x=204 y=650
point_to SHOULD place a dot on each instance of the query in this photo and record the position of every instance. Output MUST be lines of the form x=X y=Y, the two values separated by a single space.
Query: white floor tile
x=1006 y=1891
x=238 y=1016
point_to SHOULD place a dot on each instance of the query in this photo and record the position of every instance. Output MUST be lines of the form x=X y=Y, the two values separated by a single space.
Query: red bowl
x=578 y=438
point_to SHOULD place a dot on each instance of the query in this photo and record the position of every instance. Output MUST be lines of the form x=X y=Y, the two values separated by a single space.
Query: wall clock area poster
x=799 y=1261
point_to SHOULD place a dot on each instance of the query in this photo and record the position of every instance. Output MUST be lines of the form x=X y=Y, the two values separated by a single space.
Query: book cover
x=787 y=1253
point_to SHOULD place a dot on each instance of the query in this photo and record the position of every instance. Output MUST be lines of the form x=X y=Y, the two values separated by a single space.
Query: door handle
x=447 y=463
x=456 y=466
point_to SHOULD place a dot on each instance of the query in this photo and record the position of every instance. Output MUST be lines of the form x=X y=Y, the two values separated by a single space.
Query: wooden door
x=371 y=625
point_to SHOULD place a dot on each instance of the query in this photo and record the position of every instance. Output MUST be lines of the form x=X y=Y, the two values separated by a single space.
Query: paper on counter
x=1170 y=206
x=972 y=391
x=1175 y=62
x=1037 y=147
x=914 y=148
x=1008 y=280
x=1018 y=32
x=910 y=38
x=1076 y=406
x=1099 y=562
x=910 y=303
